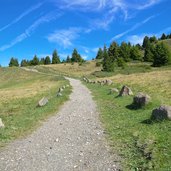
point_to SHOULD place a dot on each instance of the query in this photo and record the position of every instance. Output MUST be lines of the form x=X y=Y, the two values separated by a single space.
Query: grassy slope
x=143 y=145
x=72 y=70
x=20 y=92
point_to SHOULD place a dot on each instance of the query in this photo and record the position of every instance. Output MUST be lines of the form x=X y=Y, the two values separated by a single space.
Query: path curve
x=72 y=140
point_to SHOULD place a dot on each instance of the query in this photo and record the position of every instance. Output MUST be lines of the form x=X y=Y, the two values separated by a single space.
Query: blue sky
x=38 y=27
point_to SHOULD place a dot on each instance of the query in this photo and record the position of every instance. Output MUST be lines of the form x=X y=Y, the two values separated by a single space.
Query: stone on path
x=161 y=113
x=43 y=102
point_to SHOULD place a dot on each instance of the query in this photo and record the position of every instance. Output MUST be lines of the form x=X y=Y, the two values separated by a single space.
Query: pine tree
x=163 y=37
x=108 y=63
x=113 y=52
x=125 y=52
x=99 y=54
x=24 y=63
x=149 y=53
x=34 y=61
x=13 y=62
x=161 y=55
x=47 y=60
x=55 y=57
x=68 y=60
x=42 y=61
x=76 y=57
x=146 y=42
x=135 y=53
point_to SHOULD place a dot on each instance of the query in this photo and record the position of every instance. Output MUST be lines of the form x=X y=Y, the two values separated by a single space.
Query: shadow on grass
x=147 y=122
x=133 y=107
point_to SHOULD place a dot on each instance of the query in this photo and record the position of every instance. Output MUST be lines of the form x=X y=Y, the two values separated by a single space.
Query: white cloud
x=27 y=33
x=33 y=8
x=132 y=28
x=148 y=4
x=64 y=37
x=134 y=39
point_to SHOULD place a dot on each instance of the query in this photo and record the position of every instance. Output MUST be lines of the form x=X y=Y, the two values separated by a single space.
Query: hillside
x=20 y=92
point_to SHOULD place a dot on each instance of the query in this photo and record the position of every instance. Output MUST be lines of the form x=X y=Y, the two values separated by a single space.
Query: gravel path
x=72 y=140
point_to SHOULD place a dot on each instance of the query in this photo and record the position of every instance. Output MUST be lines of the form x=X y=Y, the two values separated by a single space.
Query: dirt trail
x=72 y=140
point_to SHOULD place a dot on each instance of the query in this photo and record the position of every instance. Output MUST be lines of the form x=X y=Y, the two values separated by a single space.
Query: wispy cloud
x=29 y=31
x=148 y=4
x=64 y=37
x=33 y=8
x=132 y=28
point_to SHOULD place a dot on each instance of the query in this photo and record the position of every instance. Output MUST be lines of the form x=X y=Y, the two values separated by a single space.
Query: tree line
x=75 y=57
x=152 y=50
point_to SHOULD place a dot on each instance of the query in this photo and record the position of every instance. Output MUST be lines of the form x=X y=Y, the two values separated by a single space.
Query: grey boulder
x=141 y=99
x=1 y=124
x=125 y=91
x=43 y=102
x=161 y=113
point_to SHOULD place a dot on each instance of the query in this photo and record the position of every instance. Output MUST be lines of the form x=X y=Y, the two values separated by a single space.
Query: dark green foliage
x=42 y=61
x=149 y=53
x=163 y=37
x=125 y=51
x=34 y=61
x=146 y=42
x=68 y=60
x=47 y=60
x=108 y=62
x=135 y=53
x=121 y=63
x=13 y=62
x=161 y=55
x=99 y=54
x=153 y=39
x=76 y=57
x=55 y=57
x=24 y=63
x=113 y=52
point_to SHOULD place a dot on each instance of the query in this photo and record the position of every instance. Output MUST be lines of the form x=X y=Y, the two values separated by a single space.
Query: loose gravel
x=72 y=140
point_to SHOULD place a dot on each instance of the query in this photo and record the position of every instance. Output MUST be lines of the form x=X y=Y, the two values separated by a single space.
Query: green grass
x=20 y=92
x=142 y=144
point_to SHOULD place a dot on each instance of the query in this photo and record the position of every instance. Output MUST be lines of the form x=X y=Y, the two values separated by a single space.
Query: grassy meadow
x=72 y=70
x=143 y=145
x=20 y=92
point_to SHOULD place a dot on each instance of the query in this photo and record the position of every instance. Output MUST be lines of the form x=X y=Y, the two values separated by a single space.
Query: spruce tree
x=13 y=62
x=68 y=60
x=161 y=55
x=108 y=63
x=55 y=57
x=34 y=61
x=47 y=60
x=24 y=63
x=125 y=52
x=76 y=57
x=99 y=54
